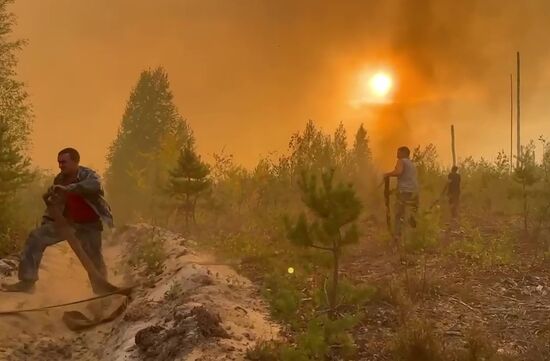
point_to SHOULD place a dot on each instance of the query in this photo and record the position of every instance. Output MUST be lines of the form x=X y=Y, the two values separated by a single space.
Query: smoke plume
x=247 y=74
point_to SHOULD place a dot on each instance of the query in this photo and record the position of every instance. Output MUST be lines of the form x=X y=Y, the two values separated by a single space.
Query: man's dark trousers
x=45 y=235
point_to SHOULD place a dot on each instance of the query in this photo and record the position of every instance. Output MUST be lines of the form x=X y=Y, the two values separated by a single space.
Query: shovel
x=100 y=285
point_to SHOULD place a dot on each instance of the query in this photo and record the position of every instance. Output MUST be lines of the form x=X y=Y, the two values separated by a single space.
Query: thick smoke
x=257 y=70
x=454 y=60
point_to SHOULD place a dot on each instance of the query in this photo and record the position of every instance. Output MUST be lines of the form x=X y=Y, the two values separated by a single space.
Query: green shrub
x=284 y=303
x=350 y=296
x=426 y=234
x=489 y=250
x=264 y=351
x=149 y=253
x=174 y=292
x=324 y=339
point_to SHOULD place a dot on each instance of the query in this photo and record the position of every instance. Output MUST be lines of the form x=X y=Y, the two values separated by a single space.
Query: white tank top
x=407 y=181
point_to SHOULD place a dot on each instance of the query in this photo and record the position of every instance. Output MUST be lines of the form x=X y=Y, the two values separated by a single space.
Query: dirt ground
x=507 y=306
x=195 y=309
x=199 y=309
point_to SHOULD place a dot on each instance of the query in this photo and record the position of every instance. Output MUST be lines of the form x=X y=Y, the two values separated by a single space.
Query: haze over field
x=246 y=74
x=247 y=157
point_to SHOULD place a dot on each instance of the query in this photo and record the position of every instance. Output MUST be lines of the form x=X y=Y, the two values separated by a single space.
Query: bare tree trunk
x=187 y=210
x=193 y=211
x=335 y=278
x=453 y=144
x=518 y=155
x=525 y=208
x=511 y=124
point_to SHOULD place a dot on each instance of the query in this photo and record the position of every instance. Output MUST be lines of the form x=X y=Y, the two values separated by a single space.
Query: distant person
x=84 y=209
x=453 y=191
x=407 y=189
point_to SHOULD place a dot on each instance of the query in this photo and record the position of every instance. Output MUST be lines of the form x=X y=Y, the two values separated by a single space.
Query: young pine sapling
x=188 y=180
x=335 y=209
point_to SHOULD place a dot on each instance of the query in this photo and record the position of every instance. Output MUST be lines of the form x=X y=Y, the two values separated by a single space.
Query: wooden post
x=511 y=123
x=453 y=144
x=518 y=155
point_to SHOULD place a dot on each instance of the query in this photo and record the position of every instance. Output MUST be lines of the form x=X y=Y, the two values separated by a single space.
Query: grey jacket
x=88 y=185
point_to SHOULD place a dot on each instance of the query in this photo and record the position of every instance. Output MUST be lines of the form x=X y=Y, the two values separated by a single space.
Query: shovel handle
x=64 y=230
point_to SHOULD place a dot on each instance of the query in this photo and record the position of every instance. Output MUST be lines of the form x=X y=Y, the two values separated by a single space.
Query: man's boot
x=21 y=286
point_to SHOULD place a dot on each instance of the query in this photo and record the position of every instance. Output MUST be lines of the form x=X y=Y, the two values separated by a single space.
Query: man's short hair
x=73 y=153
x=454 y=168
x=404 y=150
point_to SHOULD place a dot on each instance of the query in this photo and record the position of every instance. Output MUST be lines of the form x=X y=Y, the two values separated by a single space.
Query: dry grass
x=416 y=341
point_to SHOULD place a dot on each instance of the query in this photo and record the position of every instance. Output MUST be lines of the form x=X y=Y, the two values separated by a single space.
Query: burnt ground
x=505 y=307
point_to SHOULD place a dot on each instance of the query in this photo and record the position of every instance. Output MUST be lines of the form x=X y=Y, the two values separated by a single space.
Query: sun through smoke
x=373 y=87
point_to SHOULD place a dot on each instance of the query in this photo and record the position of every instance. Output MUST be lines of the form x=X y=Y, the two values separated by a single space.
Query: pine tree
x=340 y=148
x=309 y=151
x=148 y=142
x=336 y=209
x=188 y=180
x=362 y=171
x=361 y=151
x=15 y=120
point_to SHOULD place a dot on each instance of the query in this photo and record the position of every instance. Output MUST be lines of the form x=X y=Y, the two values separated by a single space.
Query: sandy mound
x=191 y=308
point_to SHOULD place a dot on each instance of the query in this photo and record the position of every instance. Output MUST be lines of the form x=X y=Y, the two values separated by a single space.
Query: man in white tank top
x=407 y=189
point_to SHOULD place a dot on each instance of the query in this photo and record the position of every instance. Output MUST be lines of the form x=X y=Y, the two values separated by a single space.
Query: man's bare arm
x=397 y=171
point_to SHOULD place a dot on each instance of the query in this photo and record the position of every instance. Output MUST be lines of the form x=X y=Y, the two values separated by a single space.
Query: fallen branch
x=241 y=308
x=463 y=304
x=453 y=333
x=511 y=299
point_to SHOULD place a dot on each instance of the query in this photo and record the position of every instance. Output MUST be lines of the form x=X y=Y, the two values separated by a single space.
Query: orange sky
x=248 y=73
